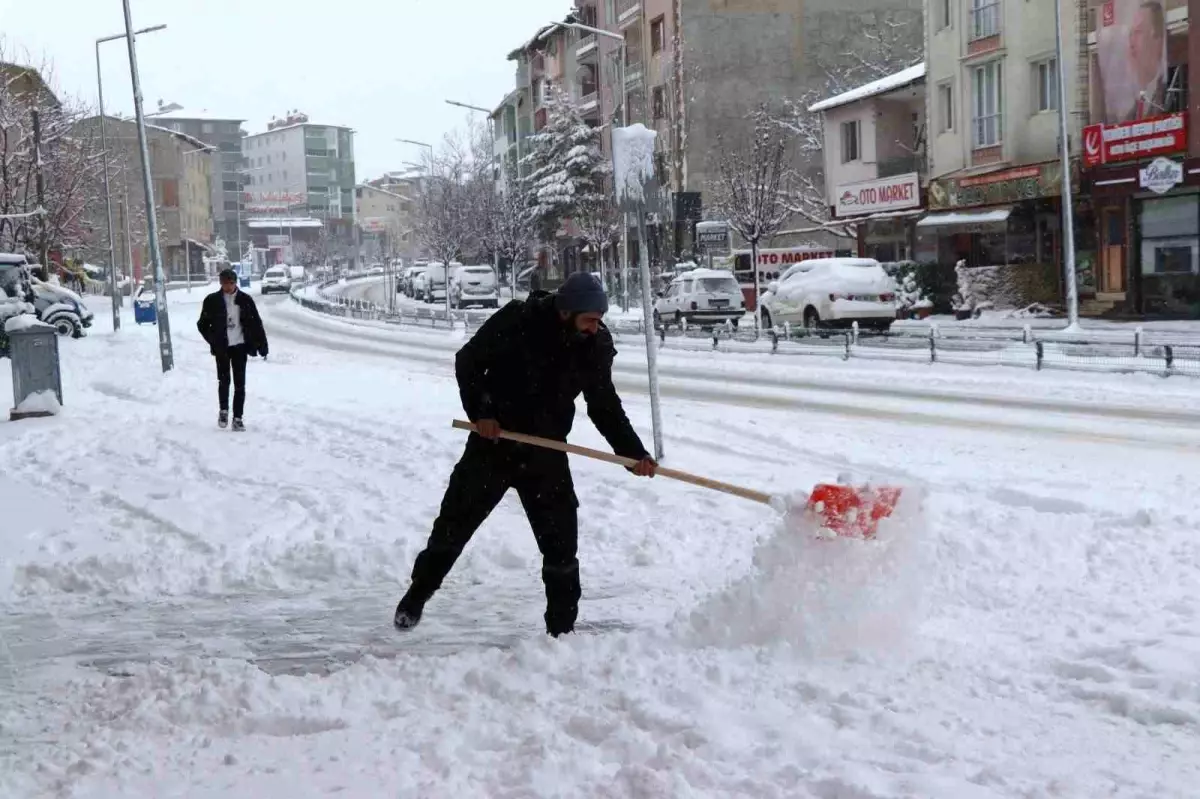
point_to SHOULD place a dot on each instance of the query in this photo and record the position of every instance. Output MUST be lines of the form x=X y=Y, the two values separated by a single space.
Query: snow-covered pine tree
x=567 y=169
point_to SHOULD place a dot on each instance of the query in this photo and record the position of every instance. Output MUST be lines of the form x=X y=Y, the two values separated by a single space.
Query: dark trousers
x=543 y=482
x=233 y=359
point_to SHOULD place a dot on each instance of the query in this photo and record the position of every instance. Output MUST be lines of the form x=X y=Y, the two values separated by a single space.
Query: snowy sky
x=383 y=67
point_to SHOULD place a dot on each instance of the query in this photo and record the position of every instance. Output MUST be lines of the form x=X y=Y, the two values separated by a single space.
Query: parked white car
x=831 y=292
x=433 y=287
x=473 y=285
x=701 y=296
x=277 y=279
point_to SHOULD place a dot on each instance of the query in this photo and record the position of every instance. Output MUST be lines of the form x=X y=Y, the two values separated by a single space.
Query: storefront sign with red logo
x=872 y=196
x=1111 y=144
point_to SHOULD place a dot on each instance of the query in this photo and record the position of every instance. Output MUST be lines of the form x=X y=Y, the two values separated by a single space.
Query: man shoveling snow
x=522 y=372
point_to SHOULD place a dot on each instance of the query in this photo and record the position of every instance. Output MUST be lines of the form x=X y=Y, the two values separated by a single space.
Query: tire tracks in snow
x=788 y=395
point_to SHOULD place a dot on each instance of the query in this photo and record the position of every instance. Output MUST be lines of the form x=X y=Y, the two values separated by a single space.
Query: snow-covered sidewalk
x=185 y=611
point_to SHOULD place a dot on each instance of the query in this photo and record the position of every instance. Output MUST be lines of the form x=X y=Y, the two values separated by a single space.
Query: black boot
x=408 y=613
x=561 y=620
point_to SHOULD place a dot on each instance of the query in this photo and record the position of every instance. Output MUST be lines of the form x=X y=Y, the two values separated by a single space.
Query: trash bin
x=37 y=380
x=145 y=310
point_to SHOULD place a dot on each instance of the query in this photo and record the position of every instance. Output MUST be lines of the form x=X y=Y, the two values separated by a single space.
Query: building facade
x=995 y=193
x=301 y=173
x=225 y=135
x=181 y=171
x=1141 y=157
x=874 y=162
x=385 y=223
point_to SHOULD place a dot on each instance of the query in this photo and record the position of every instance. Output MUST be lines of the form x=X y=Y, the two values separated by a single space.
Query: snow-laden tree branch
x=445 y=204
x=69 y=160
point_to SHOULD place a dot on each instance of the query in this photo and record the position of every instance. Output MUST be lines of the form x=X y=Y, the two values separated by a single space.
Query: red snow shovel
x=843 y=510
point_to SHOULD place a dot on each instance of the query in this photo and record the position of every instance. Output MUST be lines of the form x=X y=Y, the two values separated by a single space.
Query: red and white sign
x=1108 y=14
x=872 y=196
x=1129 y=141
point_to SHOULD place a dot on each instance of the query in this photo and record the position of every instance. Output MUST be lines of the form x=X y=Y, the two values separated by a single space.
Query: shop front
x=1146 y=193
x=1010 y=217
x=883 y=211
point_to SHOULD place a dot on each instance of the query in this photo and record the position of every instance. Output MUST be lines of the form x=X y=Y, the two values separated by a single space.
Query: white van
x=701 y=296
x=277 y=278
x=473 y=285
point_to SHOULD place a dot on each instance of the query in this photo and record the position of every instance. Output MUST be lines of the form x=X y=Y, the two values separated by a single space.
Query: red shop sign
x=1130 y=141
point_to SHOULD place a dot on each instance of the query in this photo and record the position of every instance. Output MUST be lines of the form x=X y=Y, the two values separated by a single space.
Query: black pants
x=233 y=359
x=543 y=482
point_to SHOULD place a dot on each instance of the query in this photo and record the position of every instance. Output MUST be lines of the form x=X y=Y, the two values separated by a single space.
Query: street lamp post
x=1065 y=159
x=492 y=137
x=446 y=266
x=160 y=288
x=624 y=122
x=112 y=250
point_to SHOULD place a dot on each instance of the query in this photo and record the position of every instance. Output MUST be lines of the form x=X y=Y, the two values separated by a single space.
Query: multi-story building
x=225 y=135
x=301 y=178
x=181 y=170
x=874 y=162
x=1141 y=159
x=995 y=193
x=385 y=222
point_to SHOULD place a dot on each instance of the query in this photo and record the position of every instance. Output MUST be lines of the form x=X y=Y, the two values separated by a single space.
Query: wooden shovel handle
x=674 y=474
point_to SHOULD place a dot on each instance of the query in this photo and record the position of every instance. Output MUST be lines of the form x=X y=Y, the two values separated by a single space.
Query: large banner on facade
x=1131 y=48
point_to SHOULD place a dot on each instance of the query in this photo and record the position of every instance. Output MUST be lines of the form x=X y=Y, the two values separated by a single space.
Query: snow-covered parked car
x=433 y=284
x=832 y=292
x=61 y=308
x=277 y=279
x=473 y=285
x=701 y=296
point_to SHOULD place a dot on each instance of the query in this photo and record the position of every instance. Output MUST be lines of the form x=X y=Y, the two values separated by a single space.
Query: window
x=1169 y=227
x=1045 y=85
x=1177 y=88
x=229 y=185
x=170 y=194
x=987 y=104
x=985 y=19
x=658 y=102
x=944 y=19
x=850 y=141
x=231 y=205
x=658 y=35
x=945 y=109
x=207 y=128
x=610 y=11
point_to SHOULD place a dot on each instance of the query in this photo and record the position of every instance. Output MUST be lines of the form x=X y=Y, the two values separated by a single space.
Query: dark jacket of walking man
x=521 y=372
x=230 y=323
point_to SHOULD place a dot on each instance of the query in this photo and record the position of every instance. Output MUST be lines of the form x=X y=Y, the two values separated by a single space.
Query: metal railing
x=432 y=317
x=900 y=165
x=626 y=6
x=588 y=40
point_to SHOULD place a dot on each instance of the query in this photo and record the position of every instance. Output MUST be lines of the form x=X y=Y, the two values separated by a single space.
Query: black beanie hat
x=581 y=293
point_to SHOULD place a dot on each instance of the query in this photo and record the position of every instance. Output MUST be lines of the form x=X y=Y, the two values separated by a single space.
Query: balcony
x=628 y=11
x=901 y=165
x=587 y=46
x=589 y=100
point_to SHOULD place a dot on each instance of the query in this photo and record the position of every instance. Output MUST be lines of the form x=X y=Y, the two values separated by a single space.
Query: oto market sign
x=1129 y=141
x=897 y=193
x=1160 y=175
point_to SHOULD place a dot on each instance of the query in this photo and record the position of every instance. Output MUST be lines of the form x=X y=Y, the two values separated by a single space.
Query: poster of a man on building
x=1131 y=46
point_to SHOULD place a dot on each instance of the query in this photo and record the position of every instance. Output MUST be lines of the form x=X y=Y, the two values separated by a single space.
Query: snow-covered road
x=188 y=612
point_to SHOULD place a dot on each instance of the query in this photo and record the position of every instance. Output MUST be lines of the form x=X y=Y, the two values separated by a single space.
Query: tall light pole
x=624 y=122
x=1068 y=214
x=112 y=250
x=491 y=160
x=160 y=288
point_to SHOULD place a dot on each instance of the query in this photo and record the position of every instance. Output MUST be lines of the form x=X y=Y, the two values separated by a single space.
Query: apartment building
x=181 y=171
x=995 y=191
x=385 y=222
x=1141 y=158
x=225 y=135
x=300 y=177
x=874 y=162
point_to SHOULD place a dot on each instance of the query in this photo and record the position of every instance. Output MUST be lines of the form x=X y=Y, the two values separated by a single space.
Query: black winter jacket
x=524 y=369
x=212 y=324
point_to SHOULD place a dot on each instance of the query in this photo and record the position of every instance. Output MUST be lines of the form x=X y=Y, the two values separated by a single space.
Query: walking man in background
x=230 y=323
x=521 y=372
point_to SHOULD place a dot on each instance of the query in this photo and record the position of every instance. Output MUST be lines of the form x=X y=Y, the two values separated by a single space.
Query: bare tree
x=447 y=202
x=68 y=161
x=753 y=186
x=599 y=223
x=845 y=51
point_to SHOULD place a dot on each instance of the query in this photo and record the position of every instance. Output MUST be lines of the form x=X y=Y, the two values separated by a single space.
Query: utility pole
x=44 y=242
x=1068 y=222
x=160 y=288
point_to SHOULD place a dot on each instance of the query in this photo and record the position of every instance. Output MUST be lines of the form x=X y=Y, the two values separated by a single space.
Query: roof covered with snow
x=184 y=115
x=890 y=83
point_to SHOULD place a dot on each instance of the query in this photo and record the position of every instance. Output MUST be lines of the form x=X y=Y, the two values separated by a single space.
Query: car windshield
x=718 y=284
x=478 y=270
x=275 y=273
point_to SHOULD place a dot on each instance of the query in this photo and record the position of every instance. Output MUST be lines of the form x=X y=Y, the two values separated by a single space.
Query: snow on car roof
x=705 y=273
x=860 y=262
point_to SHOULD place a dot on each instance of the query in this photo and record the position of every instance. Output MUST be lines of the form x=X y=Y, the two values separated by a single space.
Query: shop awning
x=953 y=218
